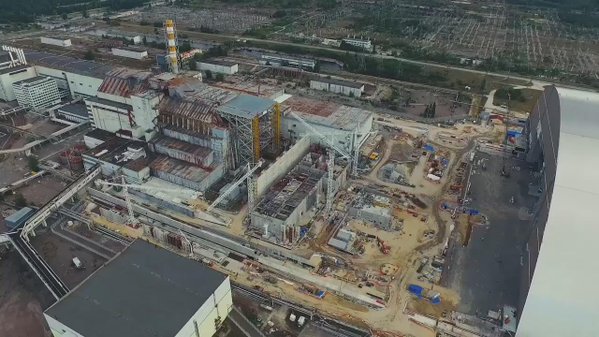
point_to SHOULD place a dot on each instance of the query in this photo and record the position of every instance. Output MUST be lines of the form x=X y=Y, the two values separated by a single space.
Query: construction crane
x=131 y=216
x=209 y=211
x=251 y=187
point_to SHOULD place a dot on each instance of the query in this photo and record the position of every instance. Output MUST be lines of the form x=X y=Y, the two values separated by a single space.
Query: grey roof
x=77 y=108
x=246 y=106
x=350 y=84
x=68 y=64
x=32 y=80
x=145 y=291
x=100 y=134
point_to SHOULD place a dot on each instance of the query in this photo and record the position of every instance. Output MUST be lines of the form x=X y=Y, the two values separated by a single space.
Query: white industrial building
x=360 y=43
x=56 y=42
x=144 y=291
x=348 y=127
x=286 y=60
x=132 y=53
x=123 y=104
x=75 y=77
x=347 y=88
x=560 y=258
x=219 y=66
x=37 y=93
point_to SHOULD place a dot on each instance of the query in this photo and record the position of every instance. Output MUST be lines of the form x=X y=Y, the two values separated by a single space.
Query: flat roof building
x=74 y=112
x=344 y=87
x=561 y=255
x=144 y=291
x=37 y=93
x=219 y=66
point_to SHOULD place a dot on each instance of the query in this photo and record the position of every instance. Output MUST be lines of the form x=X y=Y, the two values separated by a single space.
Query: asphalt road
x=488 y=271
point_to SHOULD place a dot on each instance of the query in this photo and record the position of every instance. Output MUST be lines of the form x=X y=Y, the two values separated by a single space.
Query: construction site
x=300 y=197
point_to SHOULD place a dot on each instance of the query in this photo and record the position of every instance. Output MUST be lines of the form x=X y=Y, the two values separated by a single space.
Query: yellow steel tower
x=256 y=137
x=171 y=45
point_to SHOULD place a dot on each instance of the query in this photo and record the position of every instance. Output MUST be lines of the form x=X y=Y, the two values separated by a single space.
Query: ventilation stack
x=171 y=45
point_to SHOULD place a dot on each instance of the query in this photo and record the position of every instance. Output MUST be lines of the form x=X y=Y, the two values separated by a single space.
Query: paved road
x=487 y=272
x=249 y=329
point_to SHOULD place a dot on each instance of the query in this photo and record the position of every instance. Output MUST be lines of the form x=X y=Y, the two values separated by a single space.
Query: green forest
x=25 y=11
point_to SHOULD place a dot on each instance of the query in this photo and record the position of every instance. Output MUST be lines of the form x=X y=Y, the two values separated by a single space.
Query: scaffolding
x=251 y=123
x=256 y=138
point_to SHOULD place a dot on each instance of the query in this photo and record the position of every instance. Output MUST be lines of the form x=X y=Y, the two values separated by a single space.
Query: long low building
x=348 y=88
x=144 y=291
x=219 y=66
x=132 y=53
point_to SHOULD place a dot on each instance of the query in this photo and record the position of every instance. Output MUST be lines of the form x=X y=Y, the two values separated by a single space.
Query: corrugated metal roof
x=195 y=150
x=179 y=168
x=246 y=106
x=125 y=82
x=194 y=109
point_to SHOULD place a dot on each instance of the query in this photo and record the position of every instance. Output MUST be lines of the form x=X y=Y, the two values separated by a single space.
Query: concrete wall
x=60 y=330
x=7 y=79
x=283 y=165
x=287 y=231
x=216 y=308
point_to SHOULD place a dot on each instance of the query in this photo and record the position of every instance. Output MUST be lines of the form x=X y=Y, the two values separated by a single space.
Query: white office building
x=144 y=291
x=37 y=93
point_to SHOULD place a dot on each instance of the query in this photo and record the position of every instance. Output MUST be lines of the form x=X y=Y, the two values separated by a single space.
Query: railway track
x=39 y=266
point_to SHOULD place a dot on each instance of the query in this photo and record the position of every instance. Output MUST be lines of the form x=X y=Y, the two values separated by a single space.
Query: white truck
x=77 y=263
